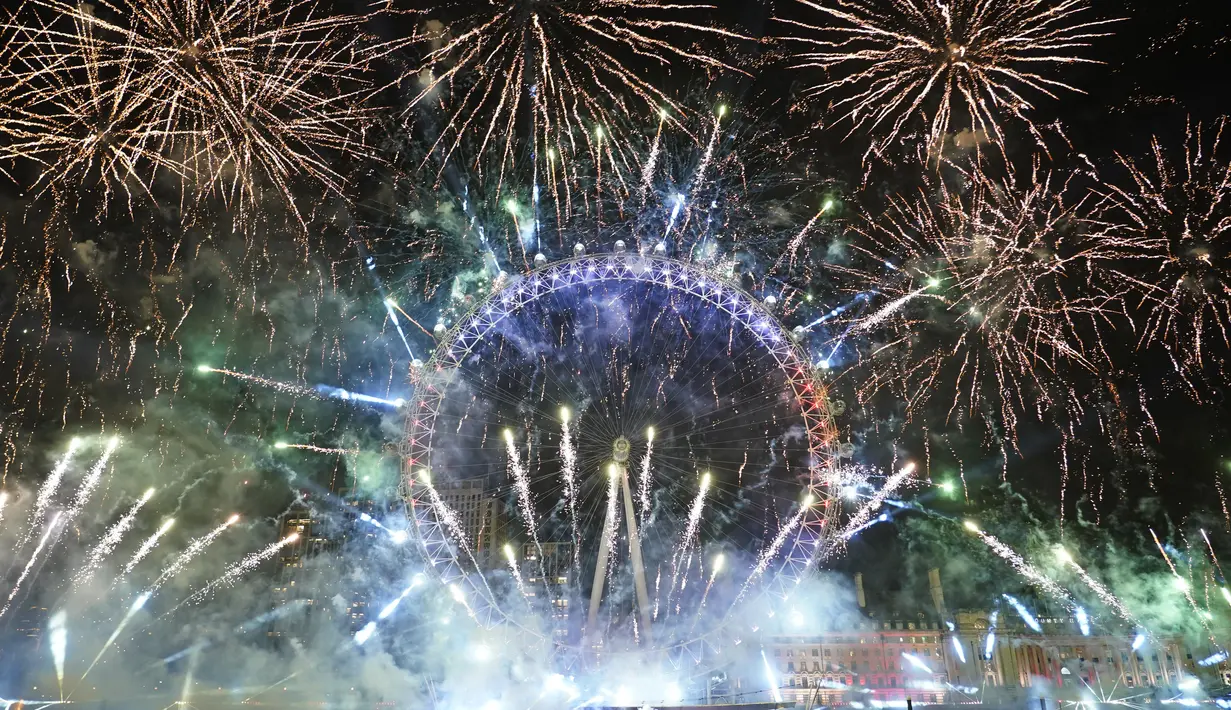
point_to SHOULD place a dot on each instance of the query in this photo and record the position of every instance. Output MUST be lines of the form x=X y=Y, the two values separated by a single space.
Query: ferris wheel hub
x=619 y=450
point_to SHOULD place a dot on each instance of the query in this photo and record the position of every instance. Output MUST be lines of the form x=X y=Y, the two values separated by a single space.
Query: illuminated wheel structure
x=608 y=347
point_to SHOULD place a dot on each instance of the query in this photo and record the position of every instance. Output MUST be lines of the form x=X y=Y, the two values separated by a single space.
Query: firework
x=1180 y=582
x=561 y=68
x=1023 y=567
x=146 y=547
x=568 y=471
x=512 y=560
x=999 y=294
x=227 y=98
x=194 y=548
x=771 y=551
x=110 y=539
x=957 y=69
x=521 y=481
x=1103 y=592
x=90 y=482
x=58 y=636
x=316 y=449
x=860 y=519
x=25 y=572
x=283 y=387
x=690 y=532
x=239 y=569
x=643 y=482
x=990 y=643
x=1024 y=613
x=1174 y=213
x=47 y=491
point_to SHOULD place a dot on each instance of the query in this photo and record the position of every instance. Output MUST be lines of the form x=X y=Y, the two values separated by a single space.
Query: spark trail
x=283 y=387
x=643 y=485
x=48 y=490
x=1103 y=592
x=769 y=553
x=316 y=449
x=110 y=539
x=876 y=501
x=4 y=499
x=719 y=562
x=521 y=480
x=194 y=548
x=690 y=532
x=25 y=572
x=448 y=518
x=512 y=559
x=239 y=569
x=1180 y=582
x=147 y=547
x=91 y=481
x=792 y=248
x=1023 y=567
x=892 y=307
x=568 y=471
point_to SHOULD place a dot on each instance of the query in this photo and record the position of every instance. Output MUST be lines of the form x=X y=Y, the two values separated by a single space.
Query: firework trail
x=991 y=634
x=25 y=572
x=612 y=521
x=48 y=491
x=1024 y=613
x=58 y=637
x=769 y=553
x=316 y=449
x=698 y=181
x=512 y=559
x=877 y=500
x=792 y=248
x=888 y=310
x=1103 y=592
x=643 y=484
x=1180 y=581
x=1023 y=567
x=194 y=548
x=119 y=629
x=91 y=481
x=719 y=562
x=110 y=539
x=239 y=569
x=284 y=387
x=521 y=481
x=651 y=161
x=958 y=67
x=146 y=547
x=1208 y=544
x=568 y=470
x=4 y=499
x=459 y=596
x=690 y=532
x=448 y=518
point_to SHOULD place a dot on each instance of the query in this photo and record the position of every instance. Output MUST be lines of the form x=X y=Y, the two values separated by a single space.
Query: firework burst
x=992 y=294
x=226 y=99
x=1175 y=216
x=566 y=68
x=964 y=66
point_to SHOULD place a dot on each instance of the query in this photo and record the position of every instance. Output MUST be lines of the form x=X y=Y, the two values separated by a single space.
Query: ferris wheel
x=617 y=453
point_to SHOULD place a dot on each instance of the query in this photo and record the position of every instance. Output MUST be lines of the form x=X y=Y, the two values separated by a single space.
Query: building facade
x=986 y=655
